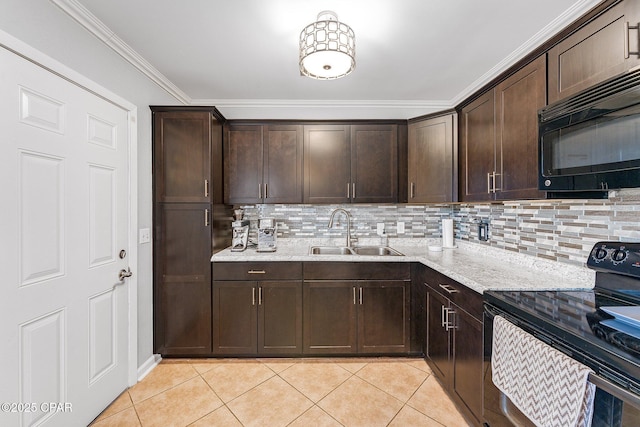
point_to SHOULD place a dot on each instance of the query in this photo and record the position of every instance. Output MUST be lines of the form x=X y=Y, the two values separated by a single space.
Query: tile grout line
x=315 y=404
x=224 y=404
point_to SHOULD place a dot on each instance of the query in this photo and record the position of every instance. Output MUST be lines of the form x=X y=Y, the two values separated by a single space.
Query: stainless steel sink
x=359 y=250
x=330 y=250
x=376 y=250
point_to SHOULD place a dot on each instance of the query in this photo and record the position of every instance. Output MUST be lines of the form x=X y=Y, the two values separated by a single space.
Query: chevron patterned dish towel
x=547 y=386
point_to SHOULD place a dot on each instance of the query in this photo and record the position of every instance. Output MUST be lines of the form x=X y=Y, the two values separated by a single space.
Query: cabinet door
x=182 y=156
x=432 y=160
x=182 y=296
x=383 y=316
x=280 y=317
x=599 y=50
x=418 y=309
x=329 y=312
x=518 y=100
x=282 y=164
x=468 y=362
x=374 y=163
x=243 y=165
x=438 y=338
x=235 y=318
x=327 y=163
x=477 y=149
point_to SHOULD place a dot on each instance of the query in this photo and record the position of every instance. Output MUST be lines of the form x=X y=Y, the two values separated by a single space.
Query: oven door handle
x=615 y=390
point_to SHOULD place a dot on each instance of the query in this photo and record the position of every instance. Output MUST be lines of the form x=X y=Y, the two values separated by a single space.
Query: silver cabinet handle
x=353 y=192
x=259 y=191
x=253 y=296
x=449 y=324
x=348 y=187
x=450 y=289
x=628 y=27
x=256 y=271
x=266 y=193
x=206 y=188
x=206 y=217
x=442 y=316
x=495 y=186
x=354 y=295
x=360 y=295
x=260 y=295
x=413 y=190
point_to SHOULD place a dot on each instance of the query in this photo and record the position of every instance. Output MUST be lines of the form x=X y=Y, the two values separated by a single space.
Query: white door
x=64 y=236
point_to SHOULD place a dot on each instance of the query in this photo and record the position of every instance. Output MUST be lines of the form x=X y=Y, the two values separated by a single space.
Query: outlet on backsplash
x=483 y=230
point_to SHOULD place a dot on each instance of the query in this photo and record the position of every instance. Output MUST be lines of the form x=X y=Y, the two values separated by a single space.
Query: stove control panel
x=616 y=257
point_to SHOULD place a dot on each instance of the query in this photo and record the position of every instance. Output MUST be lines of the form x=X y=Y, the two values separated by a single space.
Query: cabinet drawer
x=467 y=299
x=256 y=270
x=357 y=270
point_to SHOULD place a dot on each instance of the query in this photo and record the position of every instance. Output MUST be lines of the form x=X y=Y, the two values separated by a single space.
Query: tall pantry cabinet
x=189 y=225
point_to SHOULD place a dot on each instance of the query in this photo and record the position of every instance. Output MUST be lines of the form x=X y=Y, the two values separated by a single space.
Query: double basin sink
x=357 y=250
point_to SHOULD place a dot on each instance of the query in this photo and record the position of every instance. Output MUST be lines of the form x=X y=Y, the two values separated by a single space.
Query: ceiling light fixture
x=327 y=48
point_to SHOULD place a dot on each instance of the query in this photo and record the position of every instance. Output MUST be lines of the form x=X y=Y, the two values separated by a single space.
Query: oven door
x=613 y=406
x=498 y=409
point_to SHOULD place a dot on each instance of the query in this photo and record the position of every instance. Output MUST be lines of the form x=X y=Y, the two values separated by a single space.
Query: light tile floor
x=347 y=392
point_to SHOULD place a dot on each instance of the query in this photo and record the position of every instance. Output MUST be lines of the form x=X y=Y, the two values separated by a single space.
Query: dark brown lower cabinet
x=438 y=348
x=252 y=318
x=344 y=315
x=454 y=342
x=383 y=316
x=182 y=288
x=257 y=317
x=329 y=317
x=467 y=363
x=235 y=325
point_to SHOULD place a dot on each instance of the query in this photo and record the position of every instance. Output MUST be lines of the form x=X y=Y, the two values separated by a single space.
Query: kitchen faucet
x=346 y=213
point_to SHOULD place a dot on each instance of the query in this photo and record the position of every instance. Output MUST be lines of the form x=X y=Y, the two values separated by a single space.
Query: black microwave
x=590 y=142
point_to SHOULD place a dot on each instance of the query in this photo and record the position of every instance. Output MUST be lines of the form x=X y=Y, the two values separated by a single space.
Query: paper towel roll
x=447 y=233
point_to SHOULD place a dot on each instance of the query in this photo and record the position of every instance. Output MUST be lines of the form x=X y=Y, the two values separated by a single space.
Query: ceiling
x=413 y=57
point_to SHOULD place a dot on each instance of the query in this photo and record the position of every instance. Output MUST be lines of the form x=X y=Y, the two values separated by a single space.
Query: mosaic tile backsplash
x=559 y=230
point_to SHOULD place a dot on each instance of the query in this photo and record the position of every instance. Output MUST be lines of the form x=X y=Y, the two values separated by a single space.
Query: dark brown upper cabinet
x=499 y=138
x=477 y=148
x=263 y=164
x=182 y=156
x=518 y=99
x=433 y=160
x=374 y=163
x=351 y=163
x=603 y=48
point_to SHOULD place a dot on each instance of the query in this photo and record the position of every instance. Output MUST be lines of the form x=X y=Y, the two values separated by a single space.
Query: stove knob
x=600 y=254
x=618 y=255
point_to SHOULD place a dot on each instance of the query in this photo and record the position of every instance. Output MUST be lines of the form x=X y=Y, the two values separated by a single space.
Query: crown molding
x=321 y=103
x=323 y=109
x=554 y=27
x=96 y=27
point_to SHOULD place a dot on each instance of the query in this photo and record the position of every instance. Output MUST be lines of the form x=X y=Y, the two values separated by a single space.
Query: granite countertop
x=479 y=267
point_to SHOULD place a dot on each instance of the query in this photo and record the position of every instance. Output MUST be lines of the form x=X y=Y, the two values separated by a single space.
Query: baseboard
x=148 y=366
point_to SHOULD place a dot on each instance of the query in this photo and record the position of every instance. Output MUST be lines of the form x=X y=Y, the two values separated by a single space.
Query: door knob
x=124 y=274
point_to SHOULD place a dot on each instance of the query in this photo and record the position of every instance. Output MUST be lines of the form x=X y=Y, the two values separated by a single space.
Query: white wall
x=40 y=24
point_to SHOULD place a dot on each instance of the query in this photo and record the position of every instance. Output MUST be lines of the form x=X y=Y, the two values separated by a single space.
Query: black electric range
x=575 y=323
